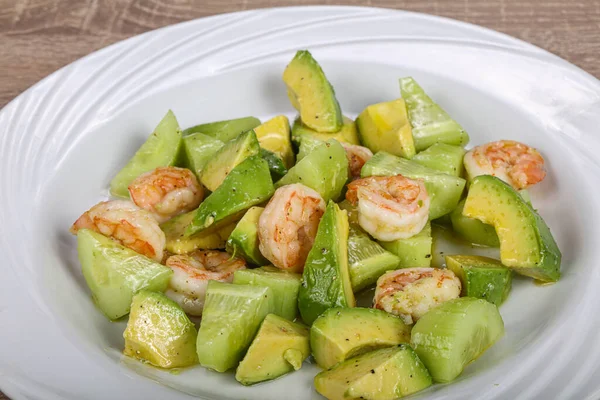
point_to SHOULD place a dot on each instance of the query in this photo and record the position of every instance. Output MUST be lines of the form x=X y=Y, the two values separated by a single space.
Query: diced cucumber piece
x=178 y=243
x=442 y=157
x=430 y=123
x=325 y=170
x=307 y=145
x=342 y=333
x=115 y=273
x=347 y=134
x=231 y=317
x=285 y=287
x=159 y=332
x=276 y=166
x=161 y=149
x=414 y=252
x=326 y=280
x=199 y=149
x=280 y=347
x=225 y=130
x=481 y=277
x=227 y=157
x=274 y=135
x=473 y=230
x=444 y=190
x=351 y=210
x=243 y=241
x=455 y=333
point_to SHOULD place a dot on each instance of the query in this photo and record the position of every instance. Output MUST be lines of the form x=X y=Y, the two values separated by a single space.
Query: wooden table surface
x=38 y=37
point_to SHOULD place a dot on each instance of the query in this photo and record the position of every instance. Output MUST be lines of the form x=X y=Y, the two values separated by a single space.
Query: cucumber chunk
x=384 y=374
x=342 y=333
x=307 y=145
x=161 y=149
x=224 y=130
x=444 y=190
x=159 y=332
x=115 y=273
x=231 y=317
x=243 y=241
x=442 y=157
x=473 y=230
x=274 y=136
x=455 y=333
x=285 y=287
x=414 y=252
x=347 y=134
x=276 y=165
x=481 y=277
x=430 y=123
x=199 y=149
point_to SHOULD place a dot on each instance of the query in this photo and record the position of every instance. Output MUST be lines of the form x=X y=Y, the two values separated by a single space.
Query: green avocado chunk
x=178 y=243
x=526 y=244
x=247 y=185
x=115 y=273
x=453 y=334
x=342 y=333
x=163 y=148
x=224 y=130
x=481 y=277
x=311 y=93
x=274 y=136
x=383 y=374
x=442 y=157
x=285 y=286
x=199 y=149
x=280 y=347
x=159 y=332
x=347 y=133
x=326 y=280
x=430 y=123
x=231 y=317
x=414 y=252
x=243 y=241
x=444 y=190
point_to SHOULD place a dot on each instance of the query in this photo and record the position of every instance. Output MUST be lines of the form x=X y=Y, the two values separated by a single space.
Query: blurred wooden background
x=38 y=37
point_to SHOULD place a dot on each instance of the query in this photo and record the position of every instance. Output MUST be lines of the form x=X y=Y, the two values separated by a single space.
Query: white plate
x=63 y=140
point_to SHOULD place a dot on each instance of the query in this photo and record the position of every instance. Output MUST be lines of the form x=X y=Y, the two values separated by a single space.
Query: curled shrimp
x=411 y=292
x=191 y=273
x=288 y=226
x=390 y=207
x=515 y=163
x=166 y=192
x=357 y=157
x=126 y=223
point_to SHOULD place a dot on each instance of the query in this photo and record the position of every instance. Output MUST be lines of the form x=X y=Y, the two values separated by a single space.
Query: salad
x=241 y=245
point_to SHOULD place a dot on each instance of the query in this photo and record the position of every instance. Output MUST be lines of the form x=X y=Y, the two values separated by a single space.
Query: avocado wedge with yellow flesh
x=274 y=135
x=163 y=148
x=473 y=230
x=326 y=280
x=199 y=149
x=311 y=93
x=280 y=347
x=348 y=133
x=385 y=126
x=526 y=244
x=243 y=241
x=159 y=332
x=342 y=333
x=178 y=243
x=442 y=157
x=224 y=130
x=247 y=185
x=383 y=374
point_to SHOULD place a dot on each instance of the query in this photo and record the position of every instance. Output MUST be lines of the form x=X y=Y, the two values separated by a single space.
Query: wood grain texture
x=38 y=37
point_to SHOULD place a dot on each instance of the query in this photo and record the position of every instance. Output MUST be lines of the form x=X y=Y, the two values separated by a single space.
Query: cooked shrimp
x=357 y=157
x=166 y=192
x=390 y=207
x=515 y=163
x=191 y=273
x=288 y=226
x=126 y=223
x=411 y=292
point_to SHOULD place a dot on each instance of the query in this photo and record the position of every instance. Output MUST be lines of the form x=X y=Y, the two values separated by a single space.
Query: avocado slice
x=280 y=347
x=444 y=190
x=159 y=332
x=385 y=126
x=383 y=374
x=231 y=317
x=453 y=334
x=347 y=133
x=274 y=135
x=276 y=165
x=430 y=123
x=243 y=241
x=326 y=280
x=227 y=157
x=342 y=333
x=413 y=252
x=114 y=273
x=225 y=130
x=442 y=157
x=163 y=148
x=473 y=230
x=325 y=170
x=199 y=149
x=247 y=185
x=526 y=244
x=178 y=243
x=285 y=286
x=481 y=277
